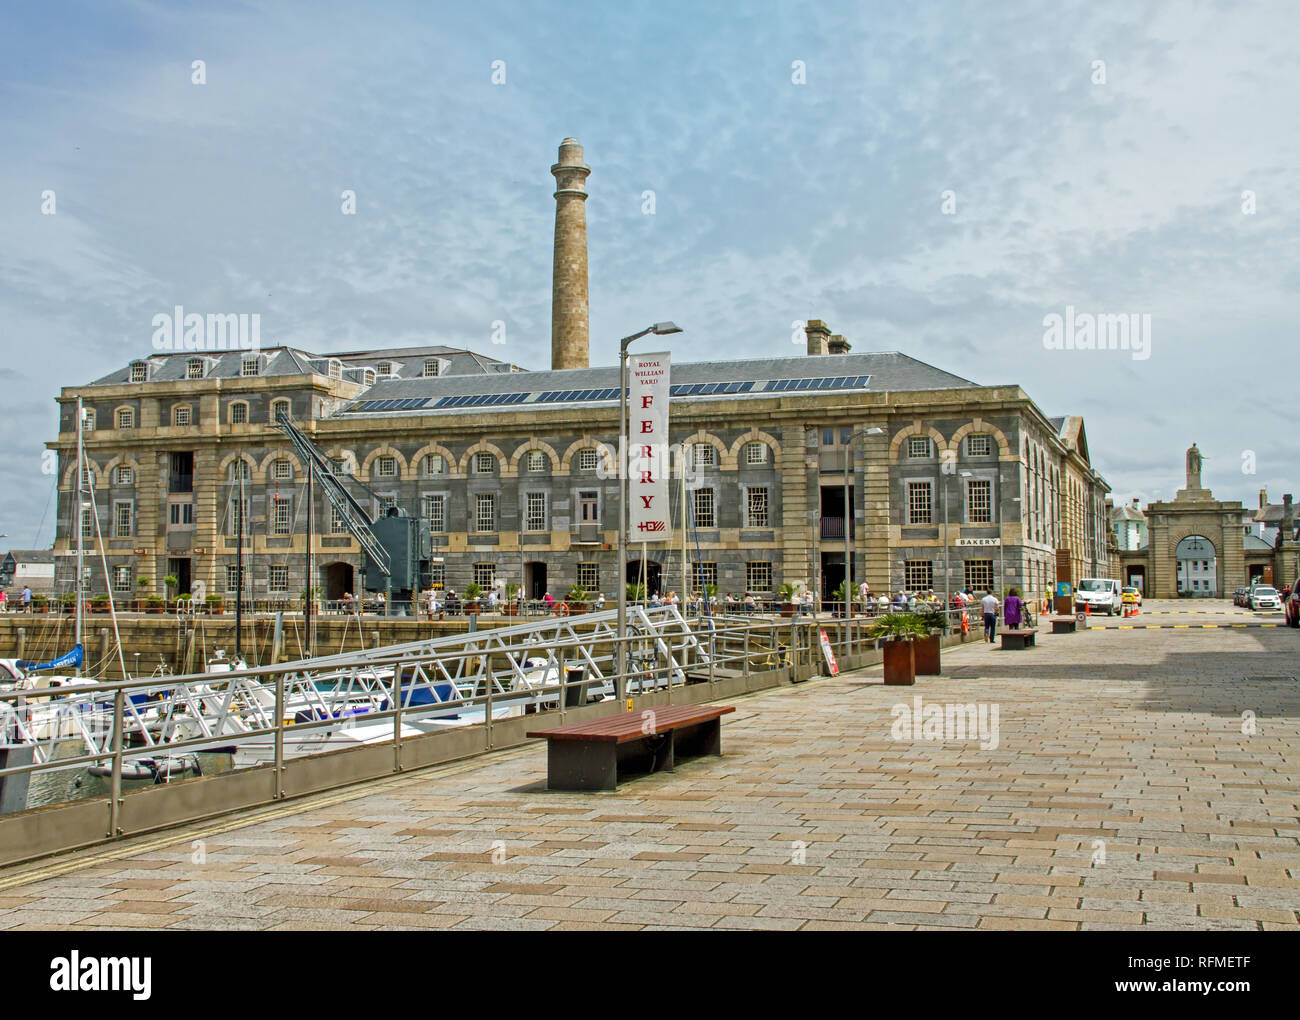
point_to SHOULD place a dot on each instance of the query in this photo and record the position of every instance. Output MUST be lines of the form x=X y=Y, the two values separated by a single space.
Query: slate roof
x=753 y=378
x=280 y=361
x=31 y=555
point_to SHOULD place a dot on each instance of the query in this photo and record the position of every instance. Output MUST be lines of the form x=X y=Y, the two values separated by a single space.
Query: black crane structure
x=395 y=547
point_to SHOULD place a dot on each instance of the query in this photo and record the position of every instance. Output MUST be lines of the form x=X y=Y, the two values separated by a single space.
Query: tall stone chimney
x=818 y=335
x=1263 y=498
x=570 y=340
x=837 y=345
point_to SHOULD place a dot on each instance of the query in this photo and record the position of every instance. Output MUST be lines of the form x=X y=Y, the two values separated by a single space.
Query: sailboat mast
x=77 y=515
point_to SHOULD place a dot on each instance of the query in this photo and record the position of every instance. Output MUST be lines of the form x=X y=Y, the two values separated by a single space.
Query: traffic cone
x=1087 y=609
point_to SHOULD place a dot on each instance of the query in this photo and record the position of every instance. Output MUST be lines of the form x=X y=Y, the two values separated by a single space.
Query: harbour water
x=62 y=785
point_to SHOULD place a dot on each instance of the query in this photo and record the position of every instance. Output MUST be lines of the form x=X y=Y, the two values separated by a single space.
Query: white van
x=1099 y=593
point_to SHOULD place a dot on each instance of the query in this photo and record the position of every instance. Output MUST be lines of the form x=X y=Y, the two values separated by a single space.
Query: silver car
x=1265 y=597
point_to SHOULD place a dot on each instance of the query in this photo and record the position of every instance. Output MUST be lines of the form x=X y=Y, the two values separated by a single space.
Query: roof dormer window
x=384 y=370
x=430 y=367
x=368 y=376
x=194 y=368
x=139 y=371
x=250 y=366
x=335 y=368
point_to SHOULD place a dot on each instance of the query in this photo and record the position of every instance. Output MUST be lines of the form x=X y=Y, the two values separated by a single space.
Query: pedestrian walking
x=990 y=603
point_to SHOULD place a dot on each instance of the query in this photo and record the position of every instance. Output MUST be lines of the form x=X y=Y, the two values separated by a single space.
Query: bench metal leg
x=581 y=765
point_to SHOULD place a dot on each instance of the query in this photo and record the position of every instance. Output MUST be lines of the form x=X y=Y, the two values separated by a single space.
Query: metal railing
x=151 y=729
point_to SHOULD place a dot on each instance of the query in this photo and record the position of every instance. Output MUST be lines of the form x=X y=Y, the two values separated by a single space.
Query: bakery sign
x=647 y=456
x=979 y=541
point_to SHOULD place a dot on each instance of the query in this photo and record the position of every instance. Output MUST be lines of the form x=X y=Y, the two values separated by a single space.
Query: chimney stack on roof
x=818 y=336
x=838 y=345
x=1263 y=498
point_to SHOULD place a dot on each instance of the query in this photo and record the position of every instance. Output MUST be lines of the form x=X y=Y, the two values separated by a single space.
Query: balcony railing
x=833 y=527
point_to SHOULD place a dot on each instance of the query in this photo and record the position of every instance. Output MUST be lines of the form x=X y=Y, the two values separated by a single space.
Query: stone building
x=1198 y=546
x=949 y=483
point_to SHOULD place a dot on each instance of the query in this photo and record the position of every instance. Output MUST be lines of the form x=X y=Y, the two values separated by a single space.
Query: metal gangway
x=268 y=712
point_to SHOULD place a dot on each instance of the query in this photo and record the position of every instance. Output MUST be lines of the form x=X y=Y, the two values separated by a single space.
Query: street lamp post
x=620 y=651
x=947 y=542
x=1002 y=549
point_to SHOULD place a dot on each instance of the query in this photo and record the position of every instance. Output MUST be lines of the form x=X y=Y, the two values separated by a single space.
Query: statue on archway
x=1194 y=461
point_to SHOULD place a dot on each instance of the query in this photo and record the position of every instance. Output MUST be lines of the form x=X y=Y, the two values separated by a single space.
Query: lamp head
x=664 y=328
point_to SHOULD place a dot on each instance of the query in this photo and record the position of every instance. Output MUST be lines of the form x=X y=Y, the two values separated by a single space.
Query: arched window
x=239 y=413
x=181 y=415
x=125 y=418
x=279 y=407
x=282 y=470
x=536 y=461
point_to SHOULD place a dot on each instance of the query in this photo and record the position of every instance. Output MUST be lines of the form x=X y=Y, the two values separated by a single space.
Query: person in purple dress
x=1012 y=609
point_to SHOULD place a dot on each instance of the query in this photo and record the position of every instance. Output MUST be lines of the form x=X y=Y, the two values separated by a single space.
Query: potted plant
x=786 y=594
x=511 y=607
x=927 y=648
x=99 y=603
x=577 y=598
x=636 y=593
x=472 y=593
x=898 y=633
x=213 y=604
x=184 y=602
x=141 y=583
x=153 y=604
x=39 y=603
x=172 y=582
x=68 y=602
x=838 y=602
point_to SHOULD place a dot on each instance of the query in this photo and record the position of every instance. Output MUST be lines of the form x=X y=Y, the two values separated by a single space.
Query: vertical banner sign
x=647 y=454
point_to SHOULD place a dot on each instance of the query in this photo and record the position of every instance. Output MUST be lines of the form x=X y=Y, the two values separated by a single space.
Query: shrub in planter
x=511 y=607
x=577 y=598
x=153 y=604
x=472 y=594
x=99 y=604
x=38 y=603
x=786 y=594
x=898 y=634
x=213 y=604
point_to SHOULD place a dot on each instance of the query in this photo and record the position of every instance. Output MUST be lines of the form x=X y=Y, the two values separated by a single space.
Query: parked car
x=1132 y=596
x=1239 y=596
x=1292 y=605
x=1265 y=596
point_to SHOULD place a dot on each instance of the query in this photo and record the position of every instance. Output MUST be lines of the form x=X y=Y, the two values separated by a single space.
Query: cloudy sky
x=1120 y=158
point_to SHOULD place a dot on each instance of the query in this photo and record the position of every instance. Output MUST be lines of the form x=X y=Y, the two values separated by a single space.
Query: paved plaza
x=1139 y=778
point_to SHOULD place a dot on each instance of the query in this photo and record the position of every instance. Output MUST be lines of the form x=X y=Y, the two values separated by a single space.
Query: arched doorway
x=1197 y=567
x=652 y=579
x=337 y=580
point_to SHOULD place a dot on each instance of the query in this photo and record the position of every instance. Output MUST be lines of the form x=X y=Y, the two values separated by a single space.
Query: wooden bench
x=1014 y=640
x=1064 y=624
x=593 y=755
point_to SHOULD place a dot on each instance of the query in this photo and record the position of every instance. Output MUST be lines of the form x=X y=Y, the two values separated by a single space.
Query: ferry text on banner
x=649 y=519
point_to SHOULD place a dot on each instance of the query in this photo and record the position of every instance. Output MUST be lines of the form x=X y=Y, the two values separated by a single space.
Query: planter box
x=510 y=610
x=787 y=610
x=900 y=663
x=926 y=655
